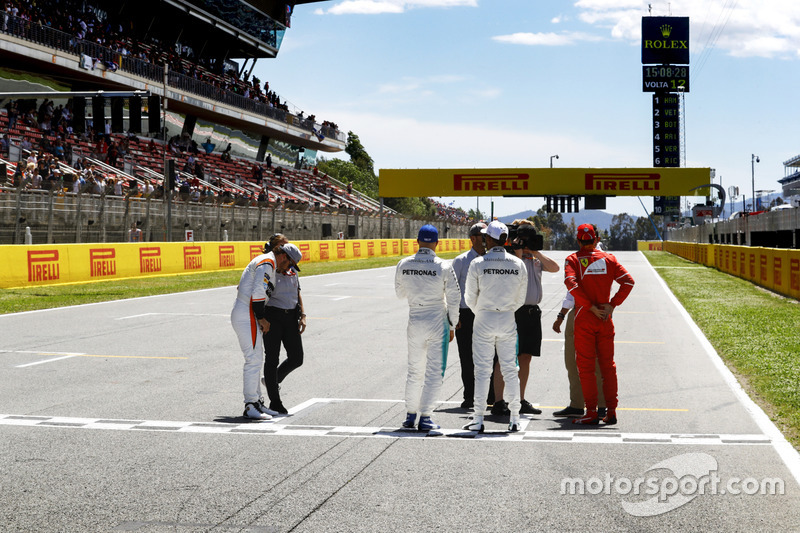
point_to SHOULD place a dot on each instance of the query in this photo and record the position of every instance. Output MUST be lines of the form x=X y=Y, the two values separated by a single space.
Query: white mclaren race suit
x=496 y=287
x=433 y=295
x=254 y=290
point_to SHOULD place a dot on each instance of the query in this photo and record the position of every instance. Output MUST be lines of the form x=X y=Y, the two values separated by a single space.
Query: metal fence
x=63 y=217
x=779 y=229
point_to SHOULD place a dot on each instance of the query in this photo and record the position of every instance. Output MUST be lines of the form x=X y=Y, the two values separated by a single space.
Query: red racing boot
x=590 y=419
x=611 y=416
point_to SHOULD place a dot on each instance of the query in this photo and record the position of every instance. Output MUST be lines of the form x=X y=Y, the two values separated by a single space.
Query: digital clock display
x=665 y=78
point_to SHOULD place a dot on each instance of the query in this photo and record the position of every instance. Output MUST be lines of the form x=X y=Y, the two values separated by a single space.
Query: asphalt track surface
x=126 y=416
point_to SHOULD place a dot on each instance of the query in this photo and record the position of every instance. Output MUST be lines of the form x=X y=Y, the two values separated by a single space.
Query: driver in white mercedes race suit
x=431 y=287
x=248 y=319
x=496 y=287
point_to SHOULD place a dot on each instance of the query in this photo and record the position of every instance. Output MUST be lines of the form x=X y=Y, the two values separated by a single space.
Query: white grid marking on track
x=282 y=426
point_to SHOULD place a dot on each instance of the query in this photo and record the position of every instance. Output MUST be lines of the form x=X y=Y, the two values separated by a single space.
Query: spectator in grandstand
x=199 y=172
x=25 y=144
x=350 y=187
x=79 y=183
x=13 y=113
x=59 y=150
x=118 y=187
x=112 y=155
x=4 y=146
x=269 y=161
x=19 y=175
x=99 y=183
x=258 y=174
x=33 y=176
x=208 y=146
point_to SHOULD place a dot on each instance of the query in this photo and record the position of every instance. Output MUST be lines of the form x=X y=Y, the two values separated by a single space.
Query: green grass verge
x=46 y=297
x=755 y=331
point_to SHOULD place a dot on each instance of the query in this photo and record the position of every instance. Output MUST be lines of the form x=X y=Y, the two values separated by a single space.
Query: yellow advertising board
x=50 y=264
x=542 y=181
x=653 y=246
x=773 y=268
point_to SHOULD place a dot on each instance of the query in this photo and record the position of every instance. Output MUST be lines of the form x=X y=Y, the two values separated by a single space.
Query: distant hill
x=591 y=216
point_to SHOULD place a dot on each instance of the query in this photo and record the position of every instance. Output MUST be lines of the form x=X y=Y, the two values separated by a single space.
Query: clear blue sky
x=509 y=83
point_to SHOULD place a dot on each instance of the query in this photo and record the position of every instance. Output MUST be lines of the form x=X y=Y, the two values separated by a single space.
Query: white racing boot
x=251 y=410
x=475 y=425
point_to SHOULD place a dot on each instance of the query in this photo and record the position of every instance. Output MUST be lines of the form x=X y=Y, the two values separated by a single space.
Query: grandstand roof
x=161 y=20
x=792 y=162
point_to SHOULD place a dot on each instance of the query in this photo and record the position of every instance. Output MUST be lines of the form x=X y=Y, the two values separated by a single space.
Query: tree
x=644 y=230
x=621 y=233
x=358 y=154
x=346 y=171
x=476 y=215
x=412 y=206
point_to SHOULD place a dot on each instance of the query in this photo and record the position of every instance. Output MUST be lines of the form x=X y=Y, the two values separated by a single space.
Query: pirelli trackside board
x=541 y=181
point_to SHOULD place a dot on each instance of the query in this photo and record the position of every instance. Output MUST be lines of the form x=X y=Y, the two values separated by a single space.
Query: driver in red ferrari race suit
x=589 y=275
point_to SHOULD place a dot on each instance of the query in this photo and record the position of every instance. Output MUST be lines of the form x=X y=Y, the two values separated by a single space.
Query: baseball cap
x=477 y=229
x=495 y=230
x=586 y=232
x=428 y=233
x=294 y=254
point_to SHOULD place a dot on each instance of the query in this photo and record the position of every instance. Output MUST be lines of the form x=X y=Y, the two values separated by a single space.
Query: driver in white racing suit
x=496 y=287
x=433 y=295
x=248 y=320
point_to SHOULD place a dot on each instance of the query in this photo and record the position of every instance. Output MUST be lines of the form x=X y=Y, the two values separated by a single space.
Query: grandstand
x=233 y=139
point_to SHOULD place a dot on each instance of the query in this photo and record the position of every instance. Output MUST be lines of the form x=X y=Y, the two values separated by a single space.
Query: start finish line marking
x=282 y=426
x=271 y=428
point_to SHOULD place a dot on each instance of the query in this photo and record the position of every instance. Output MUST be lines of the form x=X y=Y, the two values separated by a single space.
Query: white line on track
x=172 y=314
x=601 y=435
x=47 y=360
x=787 y=452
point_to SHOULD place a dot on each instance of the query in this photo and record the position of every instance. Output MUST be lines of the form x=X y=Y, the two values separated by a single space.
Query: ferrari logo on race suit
x=598 y=267
x=584 y=262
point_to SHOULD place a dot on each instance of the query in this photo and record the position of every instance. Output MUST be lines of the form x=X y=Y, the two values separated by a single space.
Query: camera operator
x=527 y=245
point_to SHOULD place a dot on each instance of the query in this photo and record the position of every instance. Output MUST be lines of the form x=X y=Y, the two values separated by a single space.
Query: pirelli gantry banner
x=542 y=181
x=52 y=264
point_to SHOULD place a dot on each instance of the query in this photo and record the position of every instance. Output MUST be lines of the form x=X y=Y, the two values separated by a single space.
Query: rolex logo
x=666 y=29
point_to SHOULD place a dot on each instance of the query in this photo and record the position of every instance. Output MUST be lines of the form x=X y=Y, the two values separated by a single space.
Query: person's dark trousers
x=283 y=328
x=464 y=340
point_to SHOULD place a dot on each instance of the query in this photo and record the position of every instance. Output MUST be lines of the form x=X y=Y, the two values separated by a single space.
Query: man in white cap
x=496 y=288
x=249 y=315
x=430 y=285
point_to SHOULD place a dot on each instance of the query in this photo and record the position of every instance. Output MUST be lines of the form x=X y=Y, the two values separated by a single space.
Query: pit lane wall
x=27 y=266
x=776 y=269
